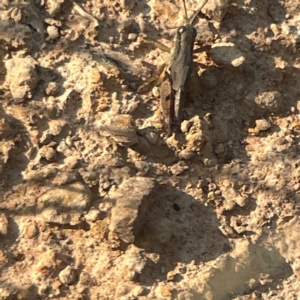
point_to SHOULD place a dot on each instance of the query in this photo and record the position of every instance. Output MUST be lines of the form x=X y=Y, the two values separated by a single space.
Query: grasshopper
x=173 y=90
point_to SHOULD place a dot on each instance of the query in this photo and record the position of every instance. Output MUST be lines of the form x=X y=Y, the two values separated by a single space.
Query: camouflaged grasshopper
x=173 y=90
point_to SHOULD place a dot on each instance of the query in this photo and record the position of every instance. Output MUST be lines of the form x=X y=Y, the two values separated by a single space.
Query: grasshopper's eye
x=182 y=29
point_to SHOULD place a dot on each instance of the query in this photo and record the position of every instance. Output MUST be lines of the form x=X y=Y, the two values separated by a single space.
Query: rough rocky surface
x=132 y=201
x=97 y=202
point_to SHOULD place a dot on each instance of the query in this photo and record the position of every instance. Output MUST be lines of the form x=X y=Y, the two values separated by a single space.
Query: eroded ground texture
x=98 y=202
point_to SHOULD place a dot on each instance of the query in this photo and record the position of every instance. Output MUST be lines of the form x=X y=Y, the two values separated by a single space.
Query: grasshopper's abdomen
x=179 y=102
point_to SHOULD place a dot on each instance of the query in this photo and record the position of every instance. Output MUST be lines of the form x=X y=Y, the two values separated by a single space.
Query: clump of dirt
x=98 y=202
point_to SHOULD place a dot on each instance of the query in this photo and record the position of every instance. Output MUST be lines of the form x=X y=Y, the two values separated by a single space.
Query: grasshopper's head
x=187 y=33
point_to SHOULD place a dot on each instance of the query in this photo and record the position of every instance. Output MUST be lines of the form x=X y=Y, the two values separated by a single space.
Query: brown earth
x=97 y=202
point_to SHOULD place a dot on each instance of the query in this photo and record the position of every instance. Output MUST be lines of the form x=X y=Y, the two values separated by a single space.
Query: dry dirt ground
x=97 y=202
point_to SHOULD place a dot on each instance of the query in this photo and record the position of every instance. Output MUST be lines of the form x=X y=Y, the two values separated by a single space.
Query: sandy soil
x=97 y=202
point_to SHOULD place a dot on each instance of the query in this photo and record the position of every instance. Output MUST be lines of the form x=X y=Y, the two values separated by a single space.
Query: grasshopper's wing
x=179 y=75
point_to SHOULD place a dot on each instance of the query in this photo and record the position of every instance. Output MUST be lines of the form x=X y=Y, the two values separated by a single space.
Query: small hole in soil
x=176 y=207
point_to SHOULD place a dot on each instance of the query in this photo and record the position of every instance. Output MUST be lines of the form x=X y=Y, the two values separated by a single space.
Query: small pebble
x=52 y=88
x=296 y=187
x=186 y=154
x=156 y=92
x=132 y=36
x=171 y=275
x=69 y=141
x=31 y=230
x=182 y=269
x=48 y=153
x=179 y=168
x=275 y=29
x=154 y=257
x=92 y=215
x=165 y=292
x=262 y=124
x=52 y=32
x=105 y=206
x=142 y=166
x=68 y=275
x=3 y=224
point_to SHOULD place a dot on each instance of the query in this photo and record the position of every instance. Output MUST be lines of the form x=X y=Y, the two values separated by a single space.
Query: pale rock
x=133 y=262
x=62 y=147
x=3 y=224
x=156 y=92
x=84 y=278
x=31 y=230
x=21 y=78
x=298 y=105
x=269 y=101
x=133 y=199
x=5 y=148
x=52 y=32
x=186 y=154
x=68 y=276
x=223 y=262
x=16 y=14
x=92 y=215
x=275 y=29
x=45 y=264
x=69 y=141
x=3 y=259
x=138 y=291
x=48 y=153
x=52 y=88
x=105 y=206
x=64 y=204
x=65 y=176
x=41 y=174
x=5 y=293
x=121 y=128
x=132 y=36
x=164 y=291
x=53 y=7
x=5 y=126
x=171 y=275
x=179 y=168
x=142 y=166
x=72 y=162
x=262 y=124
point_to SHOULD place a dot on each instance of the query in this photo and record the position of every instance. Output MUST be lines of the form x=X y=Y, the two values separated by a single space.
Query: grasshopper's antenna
x=196 y=14
x=186 y=18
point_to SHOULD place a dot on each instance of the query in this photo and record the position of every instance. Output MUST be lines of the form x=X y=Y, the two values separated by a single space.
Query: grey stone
x=227 y=54
x=133 y=197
